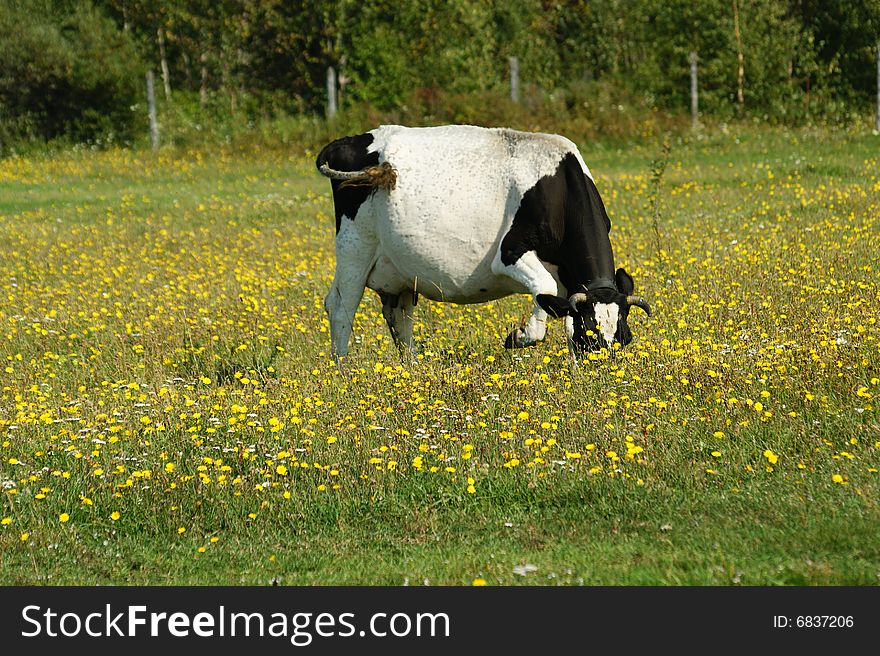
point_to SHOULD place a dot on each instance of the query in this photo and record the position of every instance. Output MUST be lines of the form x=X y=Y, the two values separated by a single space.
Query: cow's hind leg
x=398 y=312
x=355 y=257
x=341 y=305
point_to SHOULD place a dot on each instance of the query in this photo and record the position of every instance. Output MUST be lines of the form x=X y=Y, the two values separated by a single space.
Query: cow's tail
x=381 y=176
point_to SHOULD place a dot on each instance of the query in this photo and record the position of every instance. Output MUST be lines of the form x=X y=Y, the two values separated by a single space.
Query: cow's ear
x=555 y=306
x=624 y=282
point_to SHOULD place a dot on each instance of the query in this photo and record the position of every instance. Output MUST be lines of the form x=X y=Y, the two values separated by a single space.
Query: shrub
x=75 y=76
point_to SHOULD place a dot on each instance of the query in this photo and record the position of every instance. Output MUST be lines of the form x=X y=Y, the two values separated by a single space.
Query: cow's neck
x=589 y=257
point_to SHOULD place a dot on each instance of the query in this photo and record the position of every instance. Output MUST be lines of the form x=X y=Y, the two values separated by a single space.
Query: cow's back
x=464 y=154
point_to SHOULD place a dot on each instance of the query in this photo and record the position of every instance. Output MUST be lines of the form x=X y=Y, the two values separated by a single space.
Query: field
x=170 y=414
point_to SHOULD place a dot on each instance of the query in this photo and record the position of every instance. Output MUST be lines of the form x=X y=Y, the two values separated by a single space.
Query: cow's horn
x=638 y=301
x=578 y=298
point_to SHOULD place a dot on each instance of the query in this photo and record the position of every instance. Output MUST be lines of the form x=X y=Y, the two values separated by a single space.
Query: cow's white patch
x=607 y=316
x=568 y=323
x=530 y=272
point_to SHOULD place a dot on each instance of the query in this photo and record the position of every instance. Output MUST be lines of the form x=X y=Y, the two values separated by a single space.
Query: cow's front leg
x=355 y=256
x=528 y=270
x=533 y=332
x=398 y=312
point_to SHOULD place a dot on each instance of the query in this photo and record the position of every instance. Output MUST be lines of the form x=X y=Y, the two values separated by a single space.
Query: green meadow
x=170 y=413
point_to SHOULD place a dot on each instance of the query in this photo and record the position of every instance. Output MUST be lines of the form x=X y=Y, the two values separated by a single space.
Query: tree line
x=75 y=68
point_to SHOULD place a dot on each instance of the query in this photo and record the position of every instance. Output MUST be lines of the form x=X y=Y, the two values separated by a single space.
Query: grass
x=166 y=388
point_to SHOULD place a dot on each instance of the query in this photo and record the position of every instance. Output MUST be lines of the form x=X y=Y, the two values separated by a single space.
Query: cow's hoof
x=517 y=339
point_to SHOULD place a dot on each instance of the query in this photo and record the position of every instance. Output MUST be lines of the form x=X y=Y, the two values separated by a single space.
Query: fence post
x=694 y=100
x=514 y=79
x=163 y=59
x=331 y=92
x=151 y=109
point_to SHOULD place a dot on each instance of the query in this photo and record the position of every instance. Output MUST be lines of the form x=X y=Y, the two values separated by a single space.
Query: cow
x=467 y=214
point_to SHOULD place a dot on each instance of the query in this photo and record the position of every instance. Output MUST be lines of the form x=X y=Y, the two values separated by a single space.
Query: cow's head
x=596 y=317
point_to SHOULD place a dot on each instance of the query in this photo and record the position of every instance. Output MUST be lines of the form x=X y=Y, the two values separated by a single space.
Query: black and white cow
x=466 y=214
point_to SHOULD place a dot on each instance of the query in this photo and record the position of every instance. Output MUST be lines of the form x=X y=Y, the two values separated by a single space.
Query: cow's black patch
x=563 y=219
x=348 y=154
